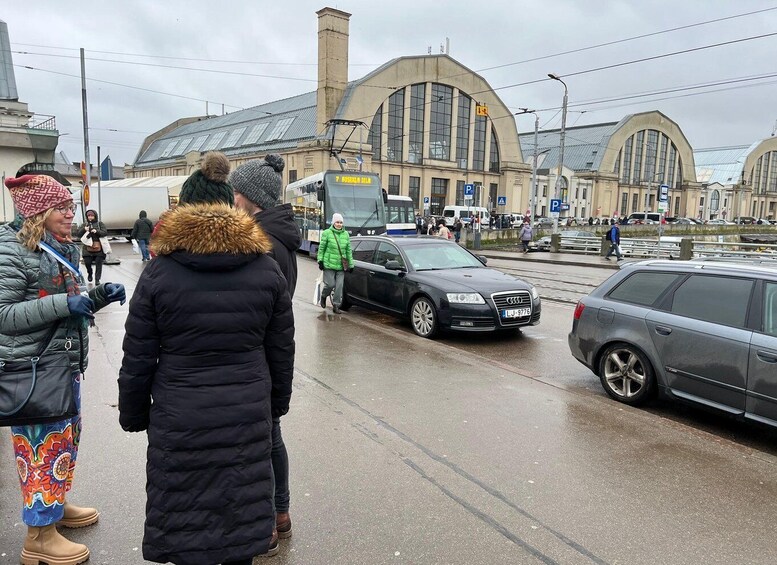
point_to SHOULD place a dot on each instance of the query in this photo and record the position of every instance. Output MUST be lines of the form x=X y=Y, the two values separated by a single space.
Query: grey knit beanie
x=260 y=181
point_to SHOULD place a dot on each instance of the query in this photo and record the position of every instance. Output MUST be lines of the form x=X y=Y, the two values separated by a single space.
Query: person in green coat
x=334 y=252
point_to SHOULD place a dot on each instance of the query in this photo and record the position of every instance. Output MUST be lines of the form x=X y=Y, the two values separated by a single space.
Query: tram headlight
x=465 y=298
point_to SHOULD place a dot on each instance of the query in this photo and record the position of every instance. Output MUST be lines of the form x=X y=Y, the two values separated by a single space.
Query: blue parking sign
x=426 y=200
x=555 y=205
x=469 y=189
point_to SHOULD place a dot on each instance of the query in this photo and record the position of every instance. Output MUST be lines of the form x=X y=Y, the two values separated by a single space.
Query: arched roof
x=375 y=88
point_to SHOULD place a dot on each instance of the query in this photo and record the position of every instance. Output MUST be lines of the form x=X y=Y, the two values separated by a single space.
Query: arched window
x=375 y=131
x=493 y=159
x=714 y=201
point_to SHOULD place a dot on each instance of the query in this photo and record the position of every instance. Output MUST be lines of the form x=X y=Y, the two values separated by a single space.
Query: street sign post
x=663 y=200
x=555 y=207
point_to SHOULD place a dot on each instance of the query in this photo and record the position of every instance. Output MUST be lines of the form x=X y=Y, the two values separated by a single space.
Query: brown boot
x=77 y=517
x=283 y=525
x=46 y=545
x=273 y=548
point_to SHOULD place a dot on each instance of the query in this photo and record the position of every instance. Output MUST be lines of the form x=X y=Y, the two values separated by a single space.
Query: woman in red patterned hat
x=44 y=307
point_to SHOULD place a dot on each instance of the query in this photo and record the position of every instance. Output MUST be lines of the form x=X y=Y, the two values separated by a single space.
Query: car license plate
x=516 y=313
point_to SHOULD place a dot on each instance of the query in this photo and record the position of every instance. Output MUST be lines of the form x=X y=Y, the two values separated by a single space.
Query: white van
x=465 y=214
x=639 y=217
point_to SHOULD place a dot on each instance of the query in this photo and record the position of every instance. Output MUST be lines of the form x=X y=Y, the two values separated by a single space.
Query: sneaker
x=323 y=301
x=283 y=525
x=606 y=258
x=274 y=547
x=619 y=259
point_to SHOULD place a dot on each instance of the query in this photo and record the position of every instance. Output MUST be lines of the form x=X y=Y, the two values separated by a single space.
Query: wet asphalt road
x=469 y=449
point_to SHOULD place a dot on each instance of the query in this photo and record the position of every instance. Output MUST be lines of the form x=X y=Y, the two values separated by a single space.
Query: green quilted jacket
x=26 y=320
x=328 y=252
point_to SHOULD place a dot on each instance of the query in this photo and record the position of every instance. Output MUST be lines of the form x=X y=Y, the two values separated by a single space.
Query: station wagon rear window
x=643 y=288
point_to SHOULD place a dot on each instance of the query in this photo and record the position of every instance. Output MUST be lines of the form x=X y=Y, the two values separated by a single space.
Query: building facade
x=426 y=125
x=619 y=166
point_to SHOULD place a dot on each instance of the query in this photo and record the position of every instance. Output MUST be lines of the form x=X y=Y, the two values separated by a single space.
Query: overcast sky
x=279 y=40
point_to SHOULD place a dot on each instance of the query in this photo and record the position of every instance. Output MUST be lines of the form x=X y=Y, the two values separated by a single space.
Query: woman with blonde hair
x=44 y=308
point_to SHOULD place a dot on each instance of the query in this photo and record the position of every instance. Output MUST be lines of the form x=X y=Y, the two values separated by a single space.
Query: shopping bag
x=317 y=289
x=106 y=245
x=135 y=246
x=86 y=240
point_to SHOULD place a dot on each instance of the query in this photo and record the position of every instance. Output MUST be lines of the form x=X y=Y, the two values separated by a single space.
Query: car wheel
x=423 y=317
x=626 y=374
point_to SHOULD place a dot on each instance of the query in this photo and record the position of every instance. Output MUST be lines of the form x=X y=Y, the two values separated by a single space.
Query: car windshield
x=430 y=257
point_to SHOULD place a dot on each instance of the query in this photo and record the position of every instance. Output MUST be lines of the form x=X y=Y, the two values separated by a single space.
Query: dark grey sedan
x=699 y=332
x=437 y=284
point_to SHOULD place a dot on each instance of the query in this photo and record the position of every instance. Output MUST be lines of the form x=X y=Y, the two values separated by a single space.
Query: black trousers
x=97 y=261
x=241 y=562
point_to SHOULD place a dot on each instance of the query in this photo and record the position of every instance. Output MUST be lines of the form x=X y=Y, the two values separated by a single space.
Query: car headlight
x=534 y=294
x=465 y=298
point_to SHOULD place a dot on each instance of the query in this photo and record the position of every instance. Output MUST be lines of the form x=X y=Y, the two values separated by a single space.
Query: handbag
x=343 y=261
x=37 y=390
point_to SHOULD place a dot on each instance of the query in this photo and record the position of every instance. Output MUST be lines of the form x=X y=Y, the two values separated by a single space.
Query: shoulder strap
x=337 y=241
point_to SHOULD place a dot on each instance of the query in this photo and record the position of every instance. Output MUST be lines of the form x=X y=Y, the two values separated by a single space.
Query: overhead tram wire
x=200 y=60
x=28 y=67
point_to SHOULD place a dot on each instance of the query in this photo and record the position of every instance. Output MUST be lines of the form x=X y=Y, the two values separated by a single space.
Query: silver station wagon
x=704 y=332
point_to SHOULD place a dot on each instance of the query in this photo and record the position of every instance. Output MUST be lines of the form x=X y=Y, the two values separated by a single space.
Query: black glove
x=350 y=270
x=115 y=292
x=80 y=305
x=321 y=265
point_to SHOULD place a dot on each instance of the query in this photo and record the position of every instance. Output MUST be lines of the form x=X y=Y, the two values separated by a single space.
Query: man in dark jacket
x=257 y=185
x=141 y=232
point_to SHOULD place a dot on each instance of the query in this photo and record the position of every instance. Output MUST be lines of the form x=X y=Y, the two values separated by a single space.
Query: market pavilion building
x=431 y=125
x=615 y=169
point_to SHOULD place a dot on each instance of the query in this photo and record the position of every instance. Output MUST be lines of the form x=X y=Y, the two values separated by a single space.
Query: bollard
x=555 y=243
x=476 y=242
x=605 y=246
x=686 y=249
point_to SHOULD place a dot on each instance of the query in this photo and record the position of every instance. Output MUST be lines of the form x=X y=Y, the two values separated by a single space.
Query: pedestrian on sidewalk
x=614 y=237
x=93 y=254
x=442 y=229
x=257 y=185
x=44 y=309
x=457 y=225
x=419 y=223
x=525 y=235
x=334 y=258
x=141 y=232
x=210 y=335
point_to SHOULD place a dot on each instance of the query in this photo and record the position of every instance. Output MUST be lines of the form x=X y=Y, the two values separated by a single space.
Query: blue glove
x=80 y=305
x=115 y=292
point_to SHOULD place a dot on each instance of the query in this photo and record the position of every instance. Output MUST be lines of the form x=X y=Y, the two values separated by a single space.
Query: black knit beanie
x=209 y=185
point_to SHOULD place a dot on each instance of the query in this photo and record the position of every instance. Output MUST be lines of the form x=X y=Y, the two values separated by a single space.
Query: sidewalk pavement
x=574 y=259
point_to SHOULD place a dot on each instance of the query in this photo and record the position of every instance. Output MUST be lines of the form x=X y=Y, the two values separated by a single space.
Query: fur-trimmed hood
x=205 y=229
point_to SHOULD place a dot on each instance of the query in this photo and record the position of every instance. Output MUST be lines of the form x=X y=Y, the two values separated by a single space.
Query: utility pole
x=99 y=178
x=86 y=122
x=561 y=144
x=533 y=193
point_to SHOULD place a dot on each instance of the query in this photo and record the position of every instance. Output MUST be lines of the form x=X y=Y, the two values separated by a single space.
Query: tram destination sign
x=353 y=179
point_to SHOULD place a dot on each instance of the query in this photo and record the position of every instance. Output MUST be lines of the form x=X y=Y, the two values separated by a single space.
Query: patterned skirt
x=46 y=458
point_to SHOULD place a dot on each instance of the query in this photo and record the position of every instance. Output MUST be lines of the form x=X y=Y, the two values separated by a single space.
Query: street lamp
x=533 y=194
x=561 y=145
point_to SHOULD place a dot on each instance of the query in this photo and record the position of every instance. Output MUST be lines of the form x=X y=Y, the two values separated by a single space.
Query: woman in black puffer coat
x=94 y=254
x=210 y=338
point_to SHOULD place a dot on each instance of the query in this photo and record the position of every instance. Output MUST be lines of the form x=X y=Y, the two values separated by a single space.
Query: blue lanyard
x=59 y=257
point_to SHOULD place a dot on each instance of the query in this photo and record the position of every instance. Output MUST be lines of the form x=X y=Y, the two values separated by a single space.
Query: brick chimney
x=332 y=63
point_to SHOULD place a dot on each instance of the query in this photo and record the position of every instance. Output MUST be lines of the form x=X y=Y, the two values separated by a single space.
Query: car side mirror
x=483 y=259
x=394 y=266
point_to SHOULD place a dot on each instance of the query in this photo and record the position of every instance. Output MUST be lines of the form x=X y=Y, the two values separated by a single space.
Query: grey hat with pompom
x=260 y=181
x=209 y=185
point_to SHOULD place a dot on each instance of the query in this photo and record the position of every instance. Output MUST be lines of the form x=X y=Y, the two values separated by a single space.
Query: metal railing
x=42 y=121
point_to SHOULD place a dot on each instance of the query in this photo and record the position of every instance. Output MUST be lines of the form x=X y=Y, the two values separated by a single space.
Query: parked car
x=702 y=332
x=572 y=239
x=543 y=223
x=436 y=284
x=746 y=220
